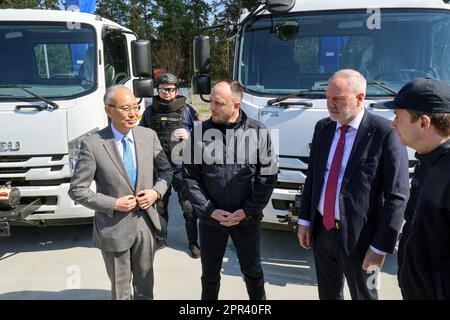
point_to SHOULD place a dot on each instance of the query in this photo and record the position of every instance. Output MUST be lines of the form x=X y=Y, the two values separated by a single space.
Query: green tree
x=30 y=4
x=228 y=11
x=133 y=14
x=171 y=26
x=177 y=21
x=222 y=48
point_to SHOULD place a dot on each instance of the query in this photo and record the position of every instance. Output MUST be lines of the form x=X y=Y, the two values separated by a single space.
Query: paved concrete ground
x=60 y=263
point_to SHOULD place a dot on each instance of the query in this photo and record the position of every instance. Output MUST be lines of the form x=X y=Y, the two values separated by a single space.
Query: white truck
x=286 y=50
x=54 y=69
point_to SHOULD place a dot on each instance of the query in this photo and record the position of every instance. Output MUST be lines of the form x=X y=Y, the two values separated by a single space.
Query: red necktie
x=332 y=182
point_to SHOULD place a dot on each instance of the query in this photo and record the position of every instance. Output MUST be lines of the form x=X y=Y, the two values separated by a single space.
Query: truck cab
x=293 y=52
x=54 y=69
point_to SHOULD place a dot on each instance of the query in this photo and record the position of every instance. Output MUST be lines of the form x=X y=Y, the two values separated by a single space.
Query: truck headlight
x=74 y=148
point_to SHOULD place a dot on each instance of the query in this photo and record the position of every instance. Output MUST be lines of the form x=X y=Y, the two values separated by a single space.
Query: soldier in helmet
x=173 y=120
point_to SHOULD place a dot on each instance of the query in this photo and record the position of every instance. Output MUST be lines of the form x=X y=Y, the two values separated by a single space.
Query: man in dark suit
x=355 y=192
x=123 y=159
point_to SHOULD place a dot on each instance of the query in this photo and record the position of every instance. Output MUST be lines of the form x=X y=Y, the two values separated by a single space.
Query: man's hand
x=220 y=215
x=181 y=133
x=145 y=198
x=304 y=236
x=372 y=260
x=234 y=218
x=125 y=204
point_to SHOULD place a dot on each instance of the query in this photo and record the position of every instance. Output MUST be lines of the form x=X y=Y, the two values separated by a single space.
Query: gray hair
x=355 y=80
x=111 y=91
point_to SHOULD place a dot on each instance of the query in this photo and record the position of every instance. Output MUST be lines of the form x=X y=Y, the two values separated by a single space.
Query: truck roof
x=314 y=5
x=54 y=16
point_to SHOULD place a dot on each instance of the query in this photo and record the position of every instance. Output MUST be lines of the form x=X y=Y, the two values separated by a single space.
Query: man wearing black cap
x=422 y=109
x=173 y=120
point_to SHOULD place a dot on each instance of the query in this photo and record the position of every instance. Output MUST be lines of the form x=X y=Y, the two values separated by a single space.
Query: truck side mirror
x=143 y=88
x=202 y=55
x=280 y=6
x=142 y=58
x=201 y=84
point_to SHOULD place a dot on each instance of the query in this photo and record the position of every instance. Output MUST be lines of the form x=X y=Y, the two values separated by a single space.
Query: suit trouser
x=188 y=212
x=246 y=239
x=134 y=264
x=332 y=263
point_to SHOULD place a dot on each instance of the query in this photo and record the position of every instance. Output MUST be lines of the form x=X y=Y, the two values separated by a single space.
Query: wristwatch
x=158 y=197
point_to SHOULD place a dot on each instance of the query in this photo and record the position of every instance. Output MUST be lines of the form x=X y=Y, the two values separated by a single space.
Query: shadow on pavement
x=31 y=239
x=73 y=294
x=283 y=261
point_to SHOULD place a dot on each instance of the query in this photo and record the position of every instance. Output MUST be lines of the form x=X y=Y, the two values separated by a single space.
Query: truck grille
x=21 y=182
x=26 y=169
x=287 y=185
x=33 y=167
x=7 y=159
x=14 y=158
x=46 y=200
x=281 y=204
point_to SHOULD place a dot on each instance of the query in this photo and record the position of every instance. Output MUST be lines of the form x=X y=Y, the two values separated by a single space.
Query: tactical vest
x=165 y=123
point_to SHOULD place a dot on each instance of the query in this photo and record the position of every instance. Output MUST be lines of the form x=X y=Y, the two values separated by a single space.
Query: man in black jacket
x=229 y=189
x=422 y=109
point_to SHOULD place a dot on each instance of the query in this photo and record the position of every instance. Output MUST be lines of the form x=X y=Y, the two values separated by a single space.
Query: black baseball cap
x=423 y=95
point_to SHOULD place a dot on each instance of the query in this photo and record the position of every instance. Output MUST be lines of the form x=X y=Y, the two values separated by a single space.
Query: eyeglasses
x=126 y=108
x=167 y=90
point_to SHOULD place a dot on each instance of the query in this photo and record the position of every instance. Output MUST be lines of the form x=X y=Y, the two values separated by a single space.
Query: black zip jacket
x=232 y=173
x=424 y=250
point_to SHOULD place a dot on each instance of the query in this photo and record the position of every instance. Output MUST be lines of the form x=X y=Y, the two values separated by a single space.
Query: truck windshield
x=51 y=60
x=285 y=54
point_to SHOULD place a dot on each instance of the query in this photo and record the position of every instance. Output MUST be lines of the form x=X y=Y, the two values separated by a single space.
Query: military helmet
x=168 y=78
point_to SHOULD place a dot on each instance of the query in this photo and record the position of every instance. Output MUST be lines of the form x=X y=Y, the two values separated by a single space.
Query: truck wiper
x=391 y=92
x=51 y=103
x=299 y=94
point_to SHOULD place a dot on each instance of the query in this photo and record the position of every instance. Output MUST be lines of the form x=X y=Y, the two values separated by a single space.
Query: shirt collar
x=355 y=123
x=119 y=136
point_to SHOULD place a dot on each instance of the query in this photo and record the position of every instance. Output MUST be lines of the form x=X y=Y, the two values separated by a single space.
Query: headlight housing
x=74 y=149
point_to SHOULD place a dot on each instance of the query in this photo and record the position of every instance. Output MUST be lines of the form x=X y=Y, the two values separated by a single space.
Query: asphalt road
x=60 y=263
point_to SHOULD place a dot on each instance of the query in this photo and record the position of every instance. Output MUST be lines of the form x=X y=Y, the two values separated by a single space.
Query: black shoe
x=195 y=250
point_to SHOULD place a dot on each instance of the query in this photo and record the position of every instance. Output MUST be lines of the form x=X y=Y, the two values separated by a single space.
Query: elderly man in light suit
x=123 y=160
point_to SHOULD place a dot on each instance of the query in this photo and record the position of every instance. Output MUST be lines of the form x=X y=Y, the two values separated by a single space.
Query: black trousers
x=333 y=263
x=189 y=214
x=246 y=239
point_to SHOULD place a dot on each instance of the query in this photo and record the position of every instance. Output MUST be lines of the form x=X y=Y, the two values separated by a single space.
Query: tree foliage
x=33 y=4
x=170 y=25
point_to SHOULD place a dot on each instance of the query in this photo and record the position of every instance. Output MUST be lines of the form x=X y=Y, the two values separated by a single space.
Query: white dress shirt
x=349 y=141
x=118 y=137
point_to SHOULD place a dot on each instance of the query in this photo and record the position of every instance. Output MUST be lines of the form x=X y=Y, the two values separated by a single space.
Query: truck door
x=115 y=56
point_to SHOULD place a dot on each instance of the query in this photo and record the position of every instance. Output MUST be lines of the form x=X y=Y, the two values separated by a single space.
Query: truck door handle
x=39 y=107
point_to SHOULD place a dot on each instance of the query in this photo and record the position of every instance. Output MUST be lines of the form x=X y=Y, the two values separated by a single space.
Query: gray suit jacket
x=100 y=160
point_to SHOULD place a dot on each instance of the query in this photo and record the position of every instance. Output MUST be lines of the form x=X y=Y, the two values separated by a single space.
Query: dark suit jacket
x=375 y=186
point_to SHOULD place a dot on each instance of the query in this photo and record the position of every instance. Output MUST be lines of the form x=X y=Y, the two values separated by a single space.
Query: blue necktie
x=128 y=160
